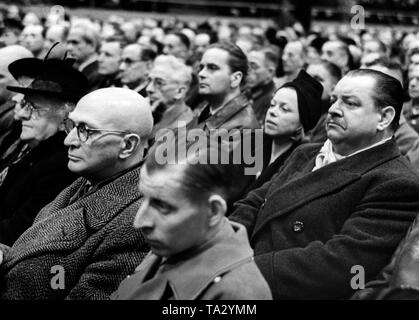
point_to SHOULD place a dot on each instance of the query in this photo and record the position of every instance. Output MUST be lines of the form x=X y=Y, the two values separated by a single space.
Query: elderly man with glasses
x=136 y=62
x=83 y=244
x=36 y=171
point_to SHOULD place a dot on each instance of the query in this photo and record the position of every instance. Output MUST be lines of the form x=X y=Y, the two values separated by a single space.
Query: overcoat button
x=263 y=204
x=298 y=226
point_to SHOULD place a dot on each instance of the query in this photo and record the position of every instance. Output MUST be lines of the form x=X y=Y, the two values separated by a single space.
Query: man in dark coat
x=226 y=109
x=82 y=45
x=39 y=172
x=82 y=244
x=344 y=204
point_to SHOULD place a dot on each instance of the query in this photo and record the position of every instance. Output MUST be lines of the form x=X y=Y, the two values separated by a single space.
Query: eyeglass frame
x=29 y=107
x=88 y=130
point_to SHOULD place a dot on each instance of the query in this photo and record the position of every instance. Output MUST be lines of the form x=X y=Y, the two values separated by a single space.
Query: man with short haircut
x=262 y=68
x=136 y=62
x=223 y=72
x=196 y=253
x=177 y=44
x=82 y=45
x=293 y=60
x=374 y=46
x=10 y=32
x=338 y=205
x=83 y=244
x=202 y=42
x=328 y=74
x=109 y=60
x=337 y=52
x=32 y=38
x=56 y=33
x=168 y=83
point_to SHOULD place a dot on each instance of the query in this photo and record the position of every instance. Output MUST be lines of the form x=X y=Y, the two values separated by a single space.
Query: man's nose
x=72 y=139
x=150 y=87
x=335 y=110
x=22 y=114
x=143 y=218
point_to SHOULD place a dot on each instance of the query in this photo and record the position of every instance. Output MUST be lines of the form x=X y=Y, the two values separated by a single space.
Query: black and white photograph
x=218 y=152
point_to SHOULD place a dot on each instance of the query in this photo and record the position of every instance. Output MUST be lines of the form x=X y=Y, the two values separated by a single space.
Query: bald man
x=83 y=244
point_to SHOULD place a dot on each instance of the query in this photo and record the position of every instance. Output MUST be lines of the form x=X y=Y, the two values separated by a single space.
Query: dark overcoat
x=309 y=229
x=92 y=239
x=32 y=183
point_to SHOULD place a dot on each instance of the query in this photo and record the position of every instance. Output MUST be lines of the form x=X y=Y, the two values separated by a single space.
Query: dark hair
x=333 y=69
x=237 y=60
x=147 y=53
x=183 y=38
x=201 y=176
x=388 y=91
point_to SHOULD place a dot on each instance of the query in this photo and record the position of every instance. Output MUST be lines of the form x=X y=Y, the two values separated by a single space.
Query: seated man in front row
x=196 y=252
x=344 y=204
x=83 y=244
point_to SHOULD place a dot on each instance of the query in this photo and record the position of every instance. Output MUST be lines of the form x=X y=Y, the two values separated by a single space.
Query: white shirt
x=327 y=156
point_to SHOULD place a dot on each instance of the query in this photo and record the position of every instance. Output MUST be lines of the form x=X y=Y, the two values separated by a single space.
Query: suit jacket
x=219 y=270
x=92 y=239
x=30 y=184
x=308 y=229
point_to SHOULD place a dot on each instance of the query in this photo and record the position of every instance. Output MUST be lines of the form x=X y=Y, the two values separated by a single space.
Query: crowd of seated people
x=126 y=149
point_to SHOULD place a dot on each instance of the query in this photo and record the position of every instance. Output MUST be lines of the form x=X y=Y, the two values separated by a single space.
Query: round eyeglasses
x=84 y=132
x=29 y=108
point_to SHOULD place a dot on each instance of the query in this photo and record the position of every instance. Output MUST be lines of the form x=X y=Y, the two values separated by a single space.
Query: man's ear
x=218 y=209
x=129 y=145
x=387 y=115
x=272 y=71
x=236 y=79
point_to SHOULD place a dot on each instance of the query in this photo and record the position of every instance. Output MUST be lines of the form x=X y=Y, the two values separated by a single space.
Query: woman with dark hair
x=295 y=109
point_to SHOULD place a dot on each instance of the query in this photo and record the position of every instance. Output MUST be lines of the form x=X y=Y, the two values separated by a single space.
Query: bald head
x=7 y=56
x=108 y=133
x=121 y=108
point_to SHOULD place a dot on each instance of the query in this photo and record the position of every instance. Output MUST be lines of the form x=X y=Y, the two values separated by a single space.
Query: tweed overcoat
x=309 y=229
x=92 y=239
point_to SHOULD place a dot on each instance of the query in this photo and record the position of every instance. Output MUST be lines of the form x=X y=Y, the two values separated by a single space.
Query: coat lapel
x=61 y=227
x=283 y=198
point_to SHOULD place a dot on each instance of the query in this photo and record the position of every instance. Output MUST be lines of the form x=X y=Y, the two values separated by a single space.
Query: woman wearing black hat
x=295 y=109
x=39 y=172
